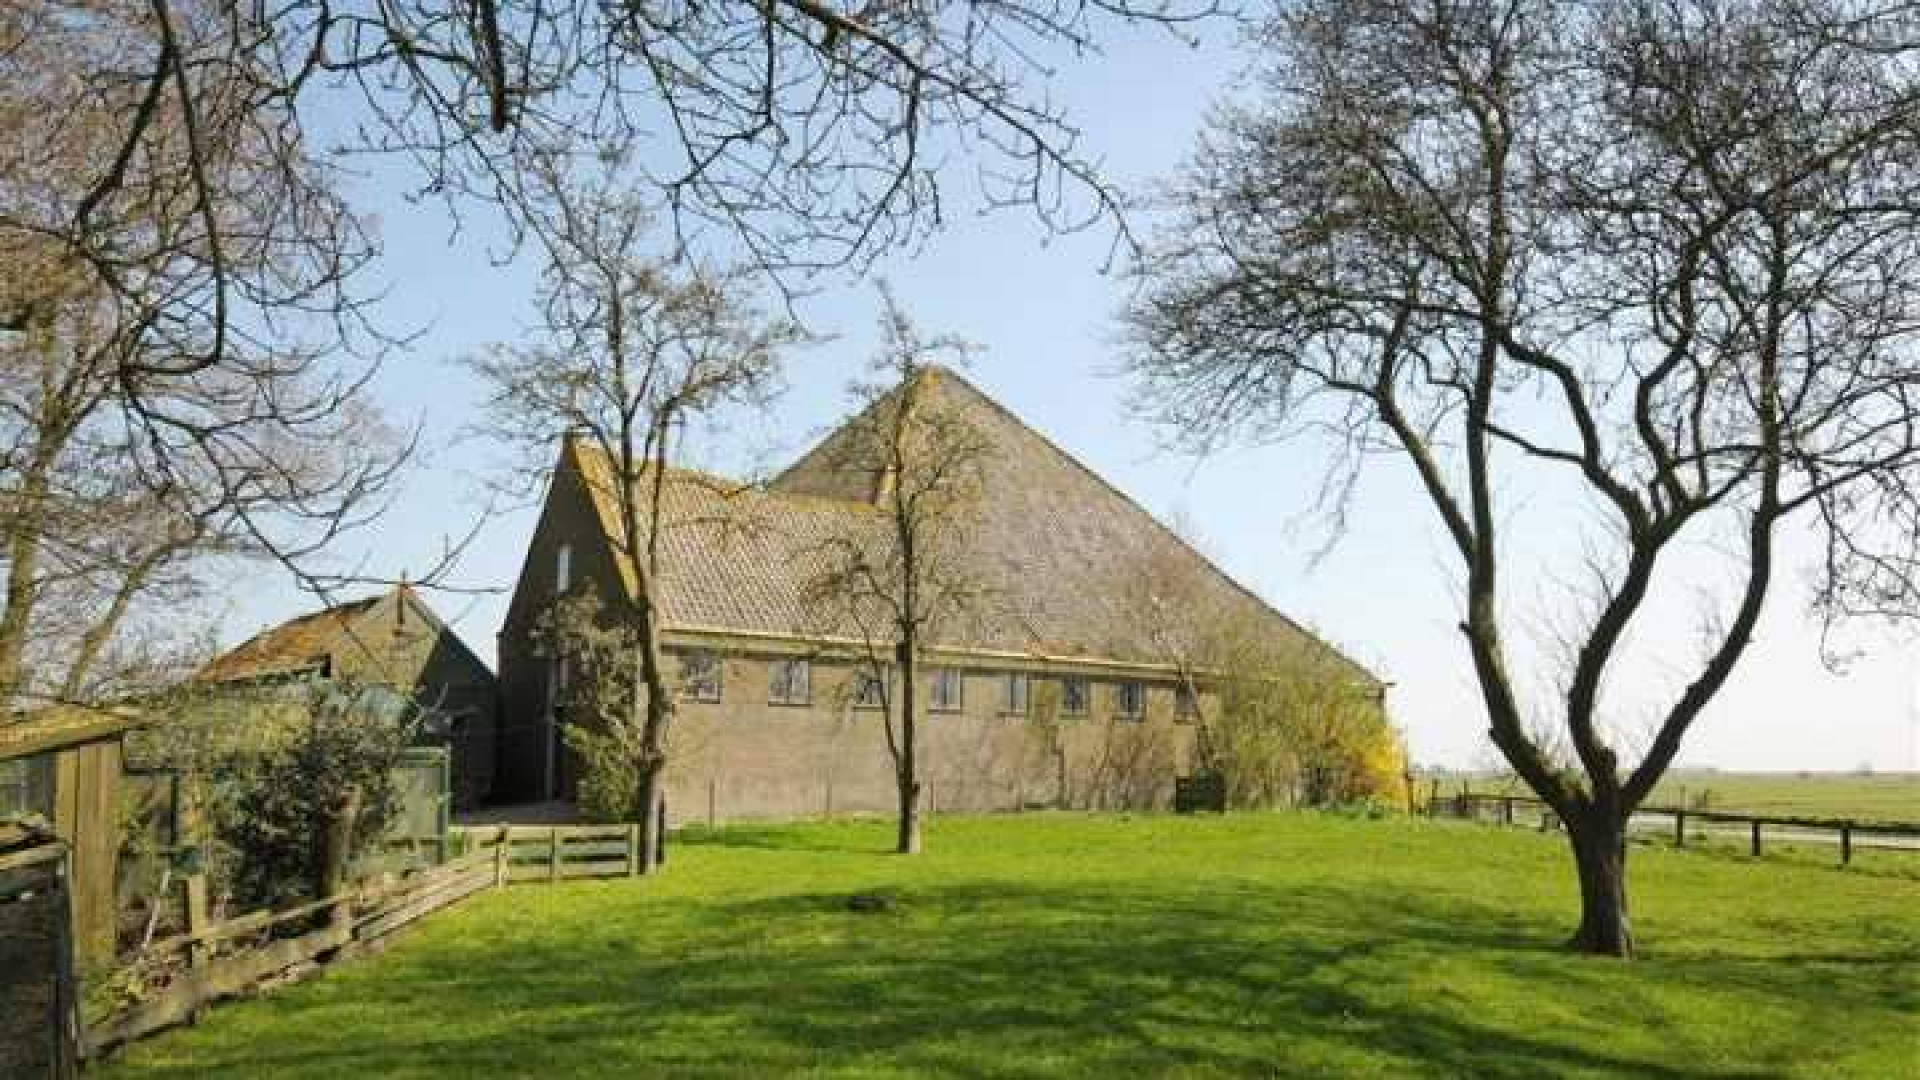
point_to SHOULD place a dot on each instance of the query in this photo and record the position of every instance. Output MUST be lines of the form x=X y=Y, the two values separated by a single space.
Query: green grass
x=1885 y=797
x=1278 y=945
x=1878 y=797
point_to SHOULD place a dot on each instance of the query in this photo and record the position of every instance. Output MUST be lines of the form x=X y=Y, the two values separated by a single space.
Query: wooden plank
x=594 y=869
x=224 y=977
x=592 y=832
x=63 y=727
x=197 y=930
x=595 y=849
x=51 y=851
x=423 y=903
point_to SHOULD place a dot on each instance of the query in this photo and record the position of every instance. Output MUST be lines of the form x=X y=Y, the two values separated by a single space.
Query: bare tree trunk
x=908 y=839
x=1599 y=844
x=907 y=767
x=23 y=557
x=652 y=791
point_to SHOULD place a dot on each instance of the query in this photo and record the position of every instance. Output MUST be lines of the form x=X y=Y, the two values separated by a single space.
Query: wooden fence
x=173 y=980
x=555 y=852
x=1848 y=835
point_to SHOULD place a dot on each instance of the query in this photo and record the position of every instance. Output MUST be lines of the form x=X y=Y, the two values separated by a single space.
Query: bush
x=264 y=773
x=609 y=789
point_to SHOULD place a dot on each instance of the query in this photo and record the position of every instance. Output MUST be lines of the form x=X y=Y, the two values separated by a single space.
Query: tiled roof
x=295 y=645
x=1057 y=550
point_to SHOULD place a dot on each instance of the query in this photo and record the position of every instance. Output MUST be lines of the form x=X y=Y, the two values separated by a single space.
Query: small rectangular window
x=700 y=676
x=1130 y=700
x=789 y=682
x=562 y=569
x=1185 y=705
x=1013 y=694
x=869 y=690
x=557 y=677
x=945 y=695
x=1073 y=696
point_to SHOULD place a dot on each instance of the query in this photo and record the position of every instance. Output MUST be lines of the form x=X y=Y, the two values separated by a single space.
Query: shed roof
x=299 y=644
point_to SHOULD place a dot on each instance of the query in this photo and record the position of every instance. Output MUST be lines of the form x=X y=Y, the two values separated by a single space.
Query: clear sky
x=1043 y=311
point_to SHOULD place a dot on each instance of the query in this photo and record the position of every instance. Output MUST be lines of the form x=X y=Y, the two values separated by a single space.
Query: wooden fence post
x=553 y=853
x=660 y=834
x=713 y=784
x=1756 y=838
x=500 y=857
x=633 y=850
x=199 y=952
x=69 y=1033
x=1506 y=810
x=1679 y=828
x=1846 y=843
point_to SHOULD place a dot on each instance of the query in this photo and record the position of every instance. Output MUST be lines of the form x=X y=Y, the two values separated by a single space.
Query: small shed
x=61 y=766
x=393 y=640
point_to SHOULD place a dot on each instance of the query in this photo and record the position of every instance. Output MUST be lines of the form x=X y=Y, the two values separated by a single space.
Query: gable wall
x=525 y=738
x=397 y=643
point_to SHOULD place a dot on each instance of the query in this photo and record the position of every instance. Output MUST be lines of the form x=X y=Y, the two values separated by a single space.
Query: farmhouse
x=1061 y=691
x=392 y=640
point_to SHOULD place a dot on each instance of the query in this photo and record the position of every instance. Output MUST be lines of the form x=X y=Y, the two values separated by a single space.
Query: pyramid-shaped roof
x=1076 y=569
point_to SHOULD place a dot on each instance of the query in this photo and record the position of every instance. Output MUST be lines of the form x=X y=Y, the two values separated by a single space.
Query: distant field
x=1882 y=797
x=1890 y=797
x=1291 y=945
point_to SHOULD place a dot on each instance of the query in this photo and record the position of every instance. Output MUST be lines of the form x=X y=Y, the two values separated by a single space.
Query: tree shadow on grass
x=834 y=838
x=986 y=980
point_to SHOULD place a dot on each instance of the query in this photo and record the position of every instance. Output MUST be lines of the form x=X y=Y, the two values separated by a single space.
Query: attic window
x=1130 y=700
x=562 y=569
x=700 y=676
x=789 y=682
x=1074 y=696
x=1013 y=694
x=947 y=691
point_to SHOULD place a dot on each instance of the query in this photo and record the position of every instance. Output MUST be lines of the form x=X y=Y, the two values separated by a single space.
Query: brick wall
x=745 y=758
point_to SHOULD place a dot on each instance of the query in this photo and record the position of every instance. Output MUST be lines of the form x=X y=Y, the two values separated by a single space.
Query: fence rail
x=175 y=978
x=557 y=852
x=1848 y=834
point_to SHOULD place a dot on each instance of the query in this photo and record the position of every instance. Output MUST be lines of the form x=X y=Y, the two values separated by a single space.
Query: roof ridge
x=1166 y=530
x=736 y=486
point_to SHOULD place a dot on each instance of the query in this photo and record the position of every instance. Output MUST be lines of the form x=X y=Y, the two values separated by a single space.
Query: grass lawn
x=1878 y=797
x=1278 y=945
x=1883 y=797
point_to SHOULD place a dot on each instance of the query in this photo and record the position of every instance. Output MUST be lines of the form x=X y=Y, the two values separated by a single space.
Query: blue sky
x=1043 y=312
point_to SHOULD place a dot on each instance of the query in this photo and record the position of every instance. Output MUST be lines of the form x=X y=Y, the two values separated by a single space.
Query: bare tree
x=900 y=584
x=628 y=348
x=153 y=410
x=1661 y=254
x=808 y=133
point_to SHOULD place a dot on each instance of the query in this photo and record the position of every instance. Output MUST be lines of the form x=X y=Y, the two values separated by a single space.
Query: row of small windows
x=790 y=682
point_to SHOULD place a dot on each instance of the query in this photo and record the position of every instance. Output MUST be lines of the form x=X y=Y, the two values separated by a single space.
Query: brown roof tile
x=295 y=645
x=1054 y=545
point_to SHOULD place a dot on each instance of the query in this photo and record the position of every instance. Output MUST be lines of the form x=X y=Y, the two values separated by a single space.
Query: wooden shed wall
x=86 y=814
